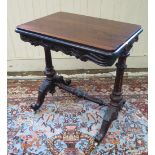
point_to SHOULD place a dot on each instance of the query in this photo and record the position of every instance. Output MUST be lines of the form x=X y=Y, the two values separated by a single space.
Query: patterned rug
x=66 y=125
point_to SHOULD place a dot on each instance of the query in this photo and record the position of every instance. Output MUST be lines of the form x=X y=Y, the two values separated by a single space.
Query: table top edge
x=115 y=52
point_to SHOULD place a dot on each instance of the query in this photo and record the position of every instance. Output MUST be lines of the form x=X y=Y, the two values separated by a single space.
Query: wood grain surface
x=90 y=31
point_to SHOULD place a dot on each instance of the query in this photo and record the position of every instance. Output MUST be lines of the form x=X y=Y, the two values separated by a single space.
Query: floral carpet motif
x=66 y=125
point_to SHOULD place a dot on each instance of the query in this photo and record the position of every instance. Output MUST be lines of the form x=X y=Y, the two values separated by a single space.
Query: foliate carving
x=48 y=85
x=32 y=41
x=83 y=55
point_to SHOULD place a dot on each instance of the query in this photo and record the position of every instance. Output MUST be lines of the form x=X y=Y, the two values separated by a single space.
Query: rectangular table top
x=107 y=35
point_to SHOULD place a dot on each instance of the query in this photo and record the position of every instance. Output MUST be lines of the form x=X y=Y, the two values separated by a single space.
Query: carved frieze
x=83 y=55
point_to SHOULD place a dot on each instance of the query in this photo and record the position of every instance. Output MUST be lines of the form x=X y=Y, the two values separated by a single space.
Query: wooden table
x=98 y=40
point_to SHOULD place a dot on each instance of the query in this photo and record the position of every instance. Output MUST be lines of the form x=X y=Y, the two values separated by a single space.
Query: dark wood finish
x=116 y=95
x=47 y=84
x=117 y=100
x=82 y=94
x=104 y=34
x=98 y=40
x=83 y=53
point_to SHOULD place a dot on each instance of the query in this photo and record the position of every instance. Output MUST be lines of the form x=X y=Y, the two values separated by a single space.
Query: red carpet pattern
x=66 y=125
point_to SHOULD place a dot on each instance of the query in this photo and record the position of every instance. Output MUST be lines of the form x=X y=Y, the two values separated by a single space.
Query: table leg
x=116 y=96
x=117 y=100
x=48 y=83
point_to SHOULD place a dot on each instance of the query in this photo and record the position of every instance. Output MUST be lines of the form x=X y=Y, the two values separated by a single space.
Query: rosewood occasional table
x=98 y=40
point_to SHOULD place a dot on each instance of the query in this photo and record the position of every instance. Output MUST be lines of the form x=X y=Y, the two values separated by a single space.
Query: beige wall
x=24 y=57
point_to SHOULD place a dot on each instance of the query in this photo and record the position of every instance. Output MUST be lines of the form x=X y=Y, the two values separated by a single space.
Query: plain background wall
x=24 y=57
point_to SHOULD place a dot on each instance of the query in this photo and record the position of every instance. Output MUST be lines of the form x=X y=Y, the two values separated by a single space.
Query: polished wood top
x=99 y=33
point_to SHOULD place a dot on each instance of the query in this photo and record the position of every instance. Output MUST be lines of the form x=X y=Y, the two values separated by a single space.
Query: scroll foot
x=110 y=115
x=99 y=137
x=46 y=86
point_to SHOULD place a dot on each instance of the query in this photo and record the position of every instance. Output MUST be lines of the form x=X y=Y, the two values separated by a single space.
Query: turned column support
x=49 y=69
x=116 y=96
x=48 y=83
x=117 y=100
